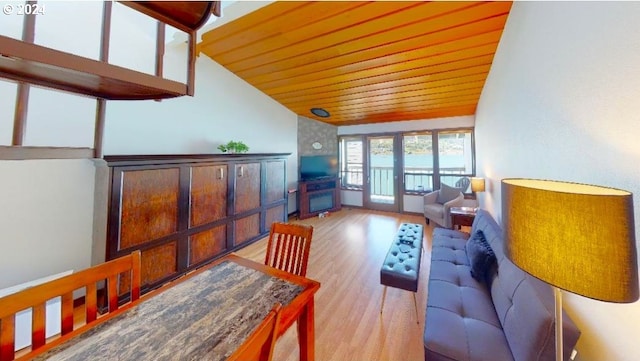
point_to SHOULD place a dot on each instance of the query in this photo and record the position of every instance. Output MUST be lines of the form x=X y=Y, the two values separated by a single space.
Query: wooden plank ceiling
x=364 y=62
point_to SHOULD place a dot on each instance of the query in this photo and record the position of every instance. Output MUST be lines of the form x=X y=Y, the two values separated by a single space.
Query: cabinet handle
x=241 y=171
x=221 y=173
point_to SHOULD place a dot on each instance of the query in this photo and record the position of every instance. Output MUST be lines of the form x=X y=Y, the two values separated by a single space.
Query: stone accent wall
x=310 y=131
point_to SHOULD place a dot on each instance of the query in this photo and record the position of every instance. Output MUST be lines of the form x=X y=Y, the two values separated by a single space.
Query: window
x=417 y=151
x=430 y=158
x=455 y=158
x=351 y=162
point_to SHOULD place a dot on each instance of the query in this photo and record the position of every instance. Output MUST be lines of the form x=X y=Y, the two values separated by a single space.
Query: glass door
x=380 y=188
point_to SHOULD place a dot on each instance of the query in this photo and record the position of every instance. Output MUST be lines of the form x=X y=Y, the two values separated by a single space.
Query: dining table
x=205 y=315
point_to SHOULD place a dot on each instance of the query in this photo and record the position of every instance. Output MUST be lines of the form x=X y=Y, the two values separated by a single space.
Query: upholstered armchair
x=437 y=205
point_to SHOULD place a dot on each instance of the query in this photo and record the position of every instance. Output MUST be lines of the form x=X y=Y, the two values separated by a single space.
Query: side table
x=462 y=216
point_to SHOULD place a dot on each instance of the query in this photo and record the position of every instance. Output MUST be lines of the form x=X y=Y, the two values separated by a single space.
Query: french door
x=381 y=190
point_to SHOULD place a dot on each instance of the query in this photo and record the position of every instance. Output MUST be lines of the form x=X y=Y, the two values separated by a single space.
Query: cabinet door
x=148 y=205
x=208 y=194
x=247 y=190
x=275 y=182
x=208 y=244
x=247 y=228
x=149 y=208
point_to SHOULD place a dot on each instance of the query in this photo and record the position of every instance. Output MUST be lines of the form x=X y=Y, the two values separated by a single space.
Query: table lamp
x=576 y=237
x=477 y=184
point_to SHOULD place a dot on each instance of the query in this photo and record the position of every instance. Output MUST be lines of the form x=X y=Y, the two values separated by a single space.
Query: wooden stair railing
x=24 y=61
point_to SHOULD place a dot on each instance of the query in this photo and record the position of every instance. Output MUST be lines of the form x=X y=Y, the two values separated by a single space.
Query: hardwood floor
x=347 y=251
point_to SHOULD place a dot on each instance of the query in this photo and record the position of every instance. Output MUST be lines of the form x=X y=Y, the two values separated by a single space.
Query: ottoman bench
x=401 y=266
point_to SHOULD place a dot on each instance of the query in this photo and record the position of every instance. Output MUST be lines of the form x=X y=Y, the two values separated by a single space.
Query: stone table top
x=205 y=317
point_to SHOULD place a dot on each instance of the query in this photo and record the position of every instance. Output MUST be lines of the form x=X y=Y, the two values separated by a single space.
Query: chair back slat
x=288 y=247
x=7 y=343
x=36 y=297
x=38 y=323
x=260 y=344
x=67 y=313
x=112 y=286
x=91 y=303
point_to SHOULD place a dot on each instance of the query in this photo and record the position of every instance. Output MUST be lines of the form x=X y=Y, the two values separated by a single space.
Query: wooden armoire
x=183 y=211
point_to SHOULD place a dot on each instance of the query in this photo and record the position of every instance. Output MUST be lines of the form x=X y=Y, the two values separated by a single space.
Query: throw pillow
x=447 y=194
x=481 y=256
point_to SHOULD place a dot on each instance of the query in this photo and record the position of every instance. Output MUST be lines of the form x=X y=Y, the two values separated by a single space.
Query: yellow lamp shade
x=576 y=237
x=477 y=184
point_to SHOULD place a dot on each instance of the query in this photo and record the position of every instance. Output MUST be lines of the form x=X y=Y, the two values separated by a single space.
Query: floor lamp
x=576 y=237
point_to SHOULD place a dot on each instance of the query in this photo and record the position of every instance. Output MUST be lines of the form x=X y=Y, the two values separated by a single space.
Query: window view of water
x=455 y=158
x=420 y=160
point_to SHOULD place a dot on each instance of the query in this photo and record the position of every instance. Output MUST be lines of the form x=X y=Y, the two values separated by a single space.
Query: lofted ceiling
x=364 y=62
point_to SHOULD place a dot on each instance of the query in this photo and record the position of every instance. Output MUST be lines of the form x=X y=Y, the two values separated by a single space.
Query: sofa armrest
x=456 y=202
x=431 y=198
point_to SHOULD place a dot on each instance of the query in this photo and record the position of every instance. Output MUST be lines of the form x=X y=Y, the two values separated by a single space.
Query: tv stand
x=317 y=196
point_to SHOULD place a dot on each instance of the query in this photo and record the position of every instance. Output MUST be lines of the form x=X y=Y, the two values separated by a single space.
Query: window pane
x=455 y=155
x=351 y=162
x=381 y=170
x=418 y=162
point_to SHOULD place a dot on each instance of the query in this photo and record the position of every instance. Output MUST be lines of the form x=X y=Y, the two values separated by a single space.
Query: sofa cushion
x=461 y=320
x=434 y=209
x=447 y=194
x=481 y=256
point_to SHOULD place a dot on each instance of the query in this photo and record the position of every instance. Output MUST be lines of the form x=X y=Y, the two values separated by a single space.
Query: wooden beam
x=22 y=95
x=191 y=67
x=101 y=104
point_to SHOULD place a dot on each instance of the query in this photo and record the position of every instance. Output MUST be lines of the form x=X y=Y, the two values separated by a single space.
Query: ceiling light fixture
x=322 y=113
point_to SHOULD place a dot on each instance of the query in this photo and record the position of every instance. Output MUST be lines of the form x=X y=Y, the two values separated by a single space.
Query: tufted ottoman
x=401 y=266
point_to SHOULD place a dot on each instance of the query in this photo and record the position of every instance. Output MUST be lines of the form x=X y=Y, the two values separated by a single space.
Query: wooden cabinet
x=317 y=196
x=247 y=187
x=208 y=194
x=184 y=211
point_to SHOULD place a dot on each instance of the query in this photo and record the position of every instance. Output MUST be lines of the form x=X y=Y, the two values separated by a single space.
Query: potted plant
x=233 y=147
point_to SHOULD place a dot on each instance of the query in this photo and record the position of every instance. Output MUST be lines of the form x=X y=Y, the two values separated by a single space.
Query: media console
x=319 y=195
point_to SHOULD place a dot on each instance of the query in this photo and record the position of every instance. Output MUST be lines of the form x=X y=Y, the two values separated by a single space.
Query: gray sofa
x=508 y=316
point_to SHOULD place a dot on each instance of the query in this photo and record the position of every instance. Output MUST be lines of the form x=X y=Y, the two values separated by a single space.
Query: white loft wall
x=46 y=220
x=561 y=103
x=410 y=203
x=225 y=108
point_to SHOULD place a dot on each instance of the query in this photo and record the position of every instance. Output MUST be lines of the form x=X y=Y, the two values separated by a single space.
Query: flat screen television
x=318 y=167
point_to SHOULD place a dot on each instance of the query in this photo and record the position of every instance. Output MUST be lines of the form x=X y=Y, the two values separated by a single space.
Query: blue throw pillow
x=481 y=256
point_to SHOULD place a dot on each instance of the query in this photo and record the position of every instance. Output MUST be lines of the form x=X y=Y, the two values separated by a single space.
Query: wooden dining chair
x=260 y=344
x=36 y=297
x=288 y=247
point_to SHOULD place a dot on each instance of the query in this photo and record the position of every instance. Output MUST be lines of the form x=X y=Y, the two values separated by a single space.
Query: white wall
x=410 y=203
x=407 y=126
x=225 y=108
x=561 y=103
x=46 y=221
